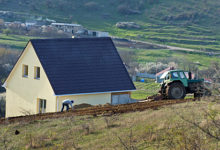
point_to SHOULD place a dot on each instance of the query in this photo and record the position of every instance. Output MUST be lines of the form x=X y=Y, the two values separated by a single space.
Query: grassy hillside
x=165 y=128
x=148 y=88
x=14 y=41
x=142 y=55
x=182 y=58
x=189 y=23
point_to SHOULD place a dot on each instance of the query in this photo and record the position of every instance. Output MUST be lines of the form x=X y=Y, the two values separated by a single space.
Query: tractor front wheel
x=176 y=91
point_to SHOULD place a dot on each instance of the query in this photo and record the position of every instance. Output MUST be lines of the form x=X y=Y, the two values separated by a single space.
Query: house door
x=115 y=100
x=42 y=105
x=120 y=99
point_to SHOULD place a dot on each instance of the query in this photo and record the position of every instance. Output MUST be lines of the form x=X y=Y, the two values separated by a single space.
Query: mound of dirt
x=83 y=105
x=155 y=97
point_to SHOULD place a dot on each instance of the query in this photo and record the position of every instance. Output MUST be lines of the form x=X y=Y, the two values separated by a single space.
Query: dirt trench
x=96 y=110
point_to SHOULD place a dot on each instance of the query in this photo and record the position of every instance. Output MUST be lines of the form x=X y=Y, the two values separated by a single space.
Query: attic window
x=36 y=72
x=25 y=70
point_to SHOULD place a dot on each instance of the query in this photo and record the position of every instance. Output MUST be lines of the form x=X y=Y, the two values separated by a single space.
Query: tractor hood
x=164 y=75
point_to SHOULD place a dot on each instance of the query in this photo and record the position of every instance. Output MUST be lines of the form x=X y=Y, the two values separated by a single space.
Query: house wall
x=22 y=93
x=68 y=27
x=93 y=99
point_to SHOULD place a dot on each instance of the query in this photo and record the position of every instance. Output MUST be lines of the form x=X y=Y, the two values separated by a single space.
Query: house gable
x=28 y=57
x=23 y=92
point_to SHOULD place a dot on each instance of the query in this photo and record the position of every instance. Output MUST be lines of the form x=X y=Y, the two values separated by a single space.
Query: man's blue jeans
x=67 y=107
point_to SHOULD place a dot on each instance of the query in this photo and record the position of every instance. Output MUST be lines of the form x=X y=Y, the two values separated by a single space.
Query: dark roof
x=82 y=65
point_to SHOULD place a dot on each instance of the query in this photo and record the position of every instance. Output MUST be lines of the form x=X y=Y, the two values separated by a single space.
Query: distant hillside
x=200 y=12
x=188 y=23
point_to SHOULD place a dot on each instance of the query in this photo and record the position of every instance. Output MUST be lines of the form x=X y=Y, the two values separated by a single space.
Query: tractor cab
x=175 y=75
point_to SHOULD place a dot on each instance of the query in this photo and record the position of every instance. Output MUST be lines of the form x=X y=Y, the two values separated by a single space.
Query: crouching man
x=66 y=103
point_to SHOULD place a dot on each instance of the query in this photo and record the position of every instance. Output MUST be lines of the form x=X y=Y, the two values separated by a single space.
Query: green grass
x=15 y=41
x=173 y=37
x=148 y=88
x=151 y=129
x=181 y=57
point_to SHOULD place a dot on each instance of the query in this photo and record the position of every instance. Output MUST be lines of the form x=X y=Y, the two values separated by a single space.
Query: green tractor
x=176 y=85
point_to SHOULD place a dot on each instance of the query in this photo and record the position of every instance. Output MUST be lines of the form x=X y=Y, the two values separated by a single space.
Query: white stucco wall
x=93 y=99
x=22 y=93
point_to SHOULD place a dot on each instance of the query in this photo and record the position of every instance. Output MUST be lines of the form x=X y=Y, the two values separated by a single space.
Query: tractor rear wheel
x=176 y=91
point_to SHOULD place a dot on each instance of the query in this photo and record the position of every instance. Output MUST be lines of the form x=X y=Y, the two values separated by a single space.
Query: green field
x=157 y=55
x=14 y=41
x=190 y=23
x=148 y=88
x=181 y=57
x=176 y=36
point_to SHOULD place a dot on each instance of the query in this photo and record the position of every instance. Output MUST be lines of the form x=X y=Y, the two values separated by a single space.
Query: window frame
x=167 y=77
x=36 y=72
x=25 y=71
x=42 y=105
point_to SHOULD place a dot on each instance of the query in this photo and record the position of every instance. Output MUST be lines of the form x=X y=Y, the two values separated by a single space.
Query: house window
x=37 y=72
x=42 y=105
x=93 y=33
x=25 y=71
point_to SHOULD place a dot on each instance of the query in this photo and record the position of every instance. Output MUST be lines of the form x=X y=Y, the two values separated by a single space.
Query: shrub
x=126 y=10
x=155 y=67
x=129 y=61
x=123 y=9
x=152 y=67
x=7 y=31
x=1 y=22
x=91 y=6
x=86 y=128
x=111 y=121
x=7 y=60
x=2 y=107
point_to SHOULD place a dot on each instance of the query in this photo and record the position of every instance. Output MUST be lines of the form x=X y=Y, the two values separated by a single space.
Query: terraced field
x=190 y=23
x=187 y=37
x=17 y=42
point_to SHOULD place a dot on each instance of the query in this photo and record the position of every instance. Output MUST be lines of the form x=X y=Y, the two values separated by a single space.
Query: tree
x=128 y=59
x=7 y=31
x=2 y=107
x=7 y=60
x=92 y=6
x=1 y=22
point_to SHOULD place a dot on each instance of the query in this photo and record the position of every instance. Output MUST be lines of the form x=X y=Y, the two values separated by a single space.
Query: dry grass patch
x=165 y=128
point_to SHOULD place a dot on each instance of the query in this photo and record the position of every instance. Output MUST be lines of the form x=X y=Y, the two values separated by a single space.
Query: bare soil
x=96 y=110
